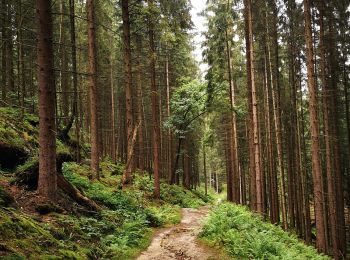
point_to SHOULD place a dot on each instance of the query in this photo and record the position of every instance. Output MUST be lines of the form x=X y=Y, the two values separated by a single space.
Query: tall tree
x=3 y=51
x=154 y=102
x=254 y=127
x=75 y=76
x=127 y=178
x=47 y=184
x=314 y=126
x=328 y=144
x=95 y=157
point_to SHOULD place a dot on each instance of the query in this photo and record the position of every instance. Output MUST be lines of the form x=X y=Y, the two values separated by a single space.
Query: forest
x=118 y=141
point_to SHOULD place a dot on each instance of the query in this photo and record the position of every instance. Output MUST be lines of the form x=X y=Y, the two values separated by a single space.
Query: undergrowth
x=120 y=231
x=244 y=235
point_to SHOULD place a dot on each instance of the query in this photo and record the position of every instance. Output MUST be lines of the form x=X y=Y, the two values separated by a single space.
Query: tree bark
x=254 y=115
x=155 y=107
x=4 y=52
x=335 y=133
x=186 y=165
x=315 y=145
x=327 y=135
x=205 y=171
x=47 y=183
x=127 y=177
x=74 y=115
x=113 y=144
x=233 y=131
x=170 y=139
x=141 y=152
x=93 y=89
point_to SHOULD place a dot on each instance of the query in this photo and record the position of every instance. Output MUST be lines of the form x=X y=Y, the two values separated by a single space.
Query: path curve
x=179 y=242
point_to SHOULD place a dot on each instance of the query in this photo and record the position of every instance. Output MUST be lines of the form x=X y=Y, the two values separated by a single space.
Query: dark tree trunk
x=47 y=183
x=4 y=52
x=93 y=89
x=205 y=171
x=141 y=150
x=315 y=145
x=74 y=115
x=127 y=177
x=155 y=107
x=255 y=149
x=328 y=143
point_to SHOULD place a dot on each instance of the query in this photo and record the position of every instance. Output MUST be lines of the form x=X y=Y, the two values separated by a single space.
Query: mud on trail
x=179 y=242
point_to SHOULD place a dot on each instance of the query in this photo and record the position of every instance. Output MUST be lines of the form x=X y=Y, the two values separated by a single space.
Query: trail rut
x=179 y=242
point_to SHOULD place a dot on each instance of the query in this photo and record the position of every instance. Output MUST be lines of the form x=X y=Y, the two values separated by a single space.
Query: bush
x=244 y=235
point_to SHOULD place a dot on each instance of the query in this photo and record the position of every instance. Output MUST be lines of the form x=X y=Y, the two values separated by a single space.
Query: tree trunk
x=254 y=115
x=155 y=107
x=47 y=183
x=9 y=48
x=75 y=77
x=315 y=146
x=233 y=131
x=4 y=52
x=327 y=133
x=141 y=152
x=127 y=177
x=93 y=89
x=334 y=111
x=205 y=171
x=228 y=159
x=113 y=144
x=186 y=165
x=170 y=139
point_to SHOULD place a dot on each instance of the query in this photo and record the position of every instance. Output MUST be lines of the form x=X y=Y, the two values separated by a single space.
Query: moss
x=61 y=148
x=19 y=136
x=18 y=131
x=24 y=237
x=5 y=198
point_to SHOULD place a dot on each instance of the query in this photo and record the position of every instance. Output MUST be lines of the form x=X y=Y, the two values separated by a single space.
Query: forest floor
x=180 y=241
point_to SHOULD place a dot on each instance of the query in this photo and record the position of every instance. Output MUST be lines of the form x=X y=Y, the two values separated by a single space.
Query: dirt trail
x=179 y=242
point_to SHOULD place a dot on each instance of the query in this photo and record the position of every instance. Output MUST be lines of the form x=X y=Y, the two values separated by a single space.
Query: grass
x=244 y=235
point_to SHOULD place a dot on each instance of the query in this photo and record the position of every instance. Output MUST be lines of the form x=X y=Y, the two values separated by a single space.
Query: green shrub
x=245 y=235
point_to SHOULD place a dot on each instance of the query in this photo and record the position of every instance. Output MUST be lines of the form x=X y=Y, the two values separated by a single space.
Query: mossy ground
x=120 y=231
x=19 y=138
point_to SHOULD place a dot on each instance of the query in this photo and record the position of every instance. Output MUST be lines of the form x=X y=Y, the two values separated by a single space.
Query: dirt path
x=179 y=242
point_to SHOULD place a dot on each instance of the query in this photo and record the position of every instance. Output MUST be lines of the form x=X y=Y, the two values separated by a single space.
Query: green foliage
x=23 y=237
x=110 y=168
x=245 y=235
x=19 y=139
x=120 y=231
x=17 y=130
x=173 y=194
x=29 y=164
x=187 y=104
x=165 y=213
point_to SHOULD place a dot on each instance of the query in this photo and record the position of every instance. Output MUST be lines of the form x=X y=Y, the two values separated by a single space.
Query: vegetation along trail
x=180 y=242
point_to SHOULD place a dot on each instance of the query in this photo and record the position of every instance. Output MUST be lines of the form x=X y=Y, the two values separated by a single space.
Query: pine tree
x=47 y=184
x=314 y=125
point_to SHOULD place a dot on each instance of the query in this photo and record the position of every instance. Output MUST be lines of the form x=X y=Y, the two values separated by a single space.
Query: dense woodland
x=268 y=122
